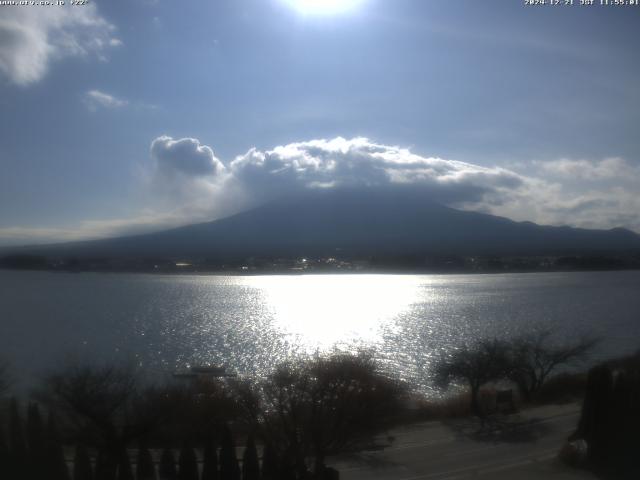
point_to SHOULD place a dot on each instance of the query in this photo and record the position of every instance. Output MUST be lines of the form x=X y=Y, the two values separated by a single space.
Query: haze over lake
x=248 y=323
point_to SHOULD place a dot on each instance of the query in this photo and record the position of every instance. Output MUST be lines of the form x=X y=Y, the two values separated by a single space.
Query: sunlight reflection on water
x=321 y=311
x=250 y=323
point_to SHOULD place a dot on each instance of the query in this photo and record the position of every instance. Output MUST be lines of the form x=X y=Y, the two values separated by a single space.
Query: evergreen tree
x=56 y=463
x=17 y=447
x=229 y=468
x=5 y=458
x=287 y=467
x=270 y=463
x=82 y=464
x=145 y=470
x=188 y=463
x=596 y=420
x=124 y=466
x=36 y=440
x=210 y=466
x=106 y=466
x=168 y=466
x=250 y=464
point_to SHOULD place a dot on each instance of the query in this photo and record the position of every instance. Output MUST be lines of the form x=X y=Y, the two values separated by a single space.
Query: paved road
x=524 y=446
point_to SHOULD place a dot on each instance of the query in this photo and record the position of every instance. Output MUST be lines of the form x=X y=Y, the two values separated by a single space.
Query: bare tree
x=96 y=395
x=486 y=361
x=351 y=401
x=321 y=406
x=101 y=404
x=534 y=356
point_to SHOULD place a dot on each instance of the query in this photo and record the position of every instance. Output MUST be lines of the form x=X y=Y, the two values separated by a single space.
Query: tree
x=36 y=441
x=94 y=399
x=351 y=401
x=125 y=472
x=486 y=361
x=288 y=467
x=104 y=403
x=106 y=465
x=5 y=457
x=610 y=418
x=250 y=464
x=187 y=411
x=270 y=463
x=188 y=463
x=229 y=468
x=17 y=446
x=168 y=466
x=5 y=379
x=533 y=357
x=56 y=463
x=145 y=469
x=320 y=406
x=210 y=462
x=82 y=464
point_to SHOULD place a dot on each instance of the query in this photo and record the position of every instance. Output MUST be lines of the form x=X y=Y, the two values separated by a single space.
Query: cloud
x=590 y=193
x=608 y=168
x=186 y=183
x=143 y=222
x=184 y=156
x=187 y=172
x=360 y=163
x=32 y=38
x=95 y=99
x=186 y=177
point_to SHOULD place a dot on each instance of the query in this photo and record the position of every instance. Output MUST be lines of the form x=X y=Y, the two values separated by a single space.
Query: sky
x=125 y=116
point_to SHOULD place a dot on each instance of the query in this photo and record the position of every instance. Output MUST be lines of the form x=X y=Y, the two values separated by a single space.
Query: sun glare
x=324 y=310
x=323 y=7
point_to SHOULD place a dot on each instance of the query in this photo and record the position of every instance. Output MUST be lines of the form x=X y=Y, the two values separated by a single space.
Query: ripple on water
x=252 y=323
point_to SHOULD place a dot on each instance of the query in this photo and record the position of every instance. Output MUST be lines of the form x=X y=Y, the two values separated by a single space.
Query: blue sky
x=536 y=107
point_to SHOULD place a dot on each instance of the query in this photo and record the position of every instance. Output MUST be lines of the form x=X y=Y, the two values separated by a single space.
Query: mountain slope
x=352 y=223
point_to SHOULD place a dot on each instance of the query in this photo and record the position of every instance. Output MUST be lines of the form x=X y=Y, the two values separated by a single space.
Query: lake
x=249 y=323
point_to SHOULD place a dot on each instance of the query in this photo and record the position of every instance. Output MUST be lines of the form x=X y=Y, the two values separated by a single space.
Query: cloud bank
x=593 y=194
x=31 y=38
x=360 y=163
x=614 y=168
x=187 y=183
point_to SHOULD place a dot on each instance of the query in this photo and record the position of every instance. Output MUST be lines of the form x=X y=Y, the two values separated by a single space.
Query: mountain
x=356 y=224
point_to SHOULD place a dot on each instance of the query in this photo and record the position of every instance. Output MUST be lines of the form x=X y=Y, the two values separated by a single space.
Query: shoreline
x=257 y=273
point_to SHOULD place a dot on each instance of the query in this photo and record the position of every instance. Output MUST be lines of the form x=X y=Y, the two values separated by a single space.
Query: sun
x=323 y=7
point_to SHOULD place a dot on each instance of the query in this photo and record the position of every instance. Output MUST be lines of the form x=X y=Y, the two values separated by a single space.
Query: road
x=523 y=446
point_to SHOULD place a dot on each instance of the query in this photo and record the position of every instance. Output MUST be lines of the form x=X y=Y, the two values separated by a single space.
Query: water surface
x=249 y=323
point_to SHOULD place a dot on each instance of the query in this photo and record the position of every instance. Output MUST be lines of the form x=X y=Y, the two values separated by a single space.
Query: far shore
x=294 y=272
